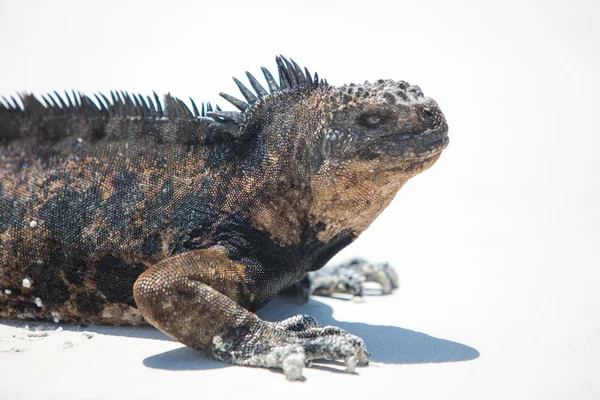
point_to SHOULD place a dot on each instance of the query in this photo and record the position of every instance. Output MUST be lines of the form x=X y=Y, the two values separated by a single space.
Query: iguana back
x=85 y=193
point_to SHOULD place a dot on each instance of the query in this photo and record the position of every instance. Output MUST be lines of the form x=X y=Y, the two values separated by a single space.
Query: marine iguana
x=126 y=210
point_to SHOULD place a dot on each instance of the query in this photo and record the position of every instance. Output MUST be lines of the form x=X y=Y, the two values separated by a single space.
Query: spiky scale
x=170 y=108
x=186 y=113
x=196 y=113
x=122 y=106
x=284 y=80
x=248 y=95
x=159 y=109
x=102 y=108
x=100 y=102
x=17 y=106
x=69 y=99
x=76 y=98
x=299 y=74
x=273 y=87
x=260 y=90
x=88 y=106
x=130 y=108
x=47 y=104
x=114 y=105
x=232 y=116
x=152 y=107
x=291 y=72
x=105 y=100
x=239 y=104
x=179 y=111
x=308 y=77
x=109 y=107
x=99 y=107
x=62 y=102
x=7 y=106
x=138 y=106
x=147 y=109
x=134 y=103
x=54 y=104
x=176 y=107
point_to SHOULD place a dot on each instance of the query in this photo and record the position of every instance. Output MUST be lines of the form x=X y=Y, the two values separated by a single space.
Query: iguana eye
x=372 y=120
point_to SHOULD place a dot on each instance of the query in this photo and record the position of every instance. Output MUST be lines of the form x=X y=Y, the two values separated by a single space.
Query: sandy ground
x=134 y=360
x=496 y=246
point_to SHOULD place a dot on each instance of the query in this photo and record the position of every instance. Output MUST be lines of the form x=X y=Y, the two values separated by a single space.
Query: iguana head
x=353 y=146
x=387 y=121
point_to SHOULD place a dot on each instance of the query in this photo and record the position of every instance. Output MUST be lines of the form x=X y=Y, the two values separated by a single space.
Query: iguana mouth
x=411 y=145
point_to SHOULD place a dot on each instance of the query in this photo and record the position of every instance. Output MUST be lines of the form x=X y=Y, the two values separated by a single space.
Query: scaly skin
x=126 y=213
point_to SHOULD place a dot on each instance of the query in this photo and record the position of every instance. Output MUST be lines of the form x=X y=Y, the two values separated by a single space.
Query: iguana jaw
x=400 y=146
x=414 y=147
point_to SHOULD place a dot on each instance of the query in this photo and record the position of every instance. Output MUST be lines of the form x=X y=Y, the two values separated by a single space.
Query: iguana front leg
x=200 y=298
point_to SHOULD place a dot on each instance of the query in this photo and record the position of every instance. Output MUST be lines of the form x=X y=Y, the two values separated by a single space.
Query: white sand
x=496 y=246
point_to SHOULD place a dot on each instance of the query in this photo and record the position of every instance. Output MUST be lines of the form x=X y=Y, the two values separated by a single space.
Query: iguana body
x=120 y=212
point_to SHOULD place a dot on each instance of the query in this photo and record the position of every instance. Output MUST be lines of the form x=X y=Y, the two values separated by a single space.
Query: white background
x=496 y=246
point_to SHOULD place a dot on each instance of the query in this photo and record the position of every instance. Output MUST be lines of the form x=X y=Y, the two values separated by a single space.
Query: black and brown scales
x=211 y=212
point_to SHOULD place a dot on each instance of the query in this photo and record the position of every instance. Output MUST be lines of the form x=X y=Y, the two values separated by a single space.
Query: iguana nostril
x=430 y=115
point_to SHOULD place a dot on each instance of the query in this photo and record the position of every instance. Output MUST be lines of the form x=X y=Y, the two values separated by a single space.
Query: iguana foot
x=184 y=297
x=291 y=345
x=351 y=277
